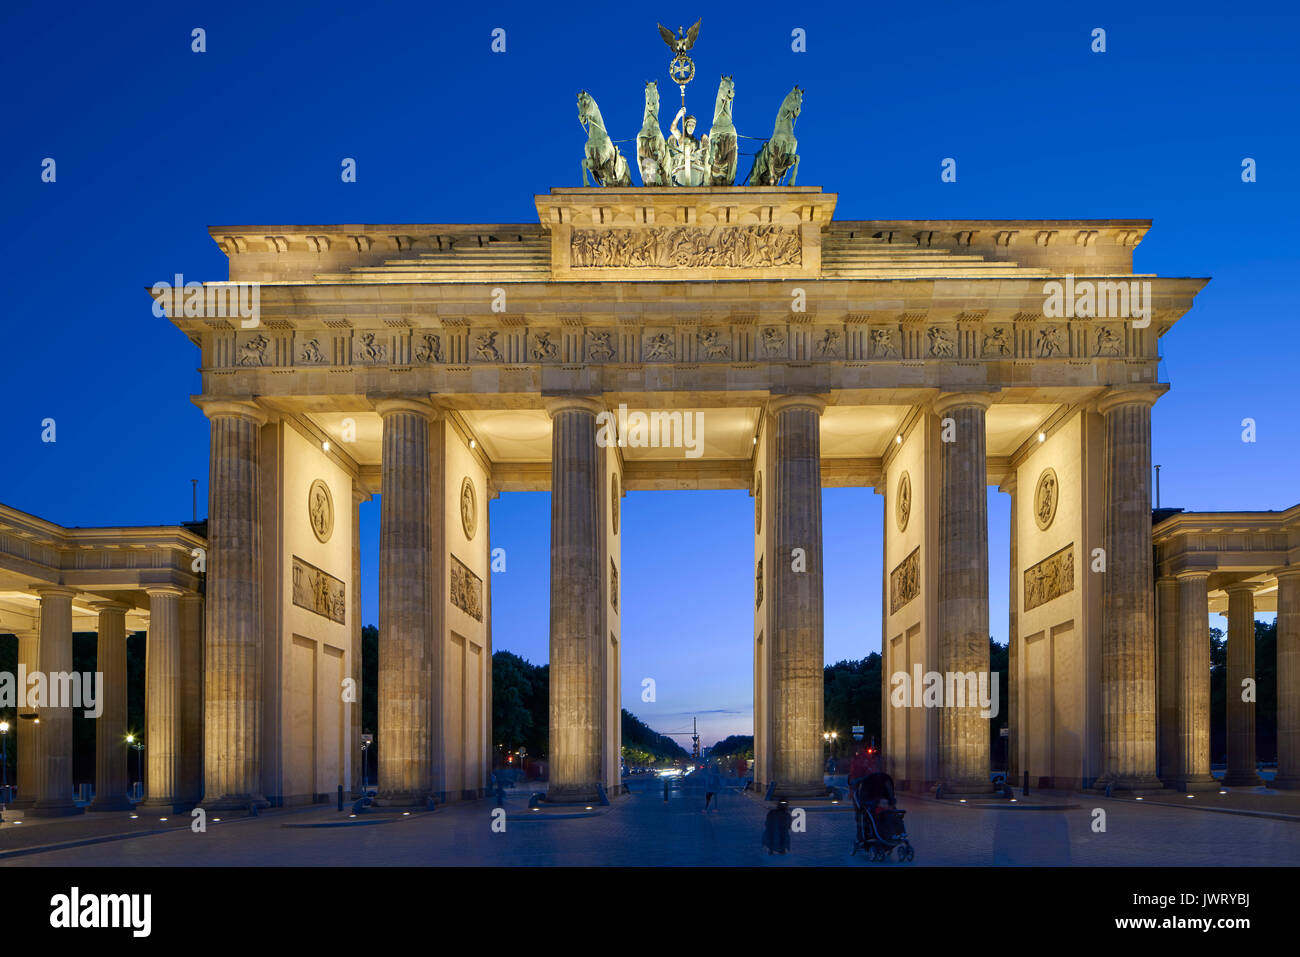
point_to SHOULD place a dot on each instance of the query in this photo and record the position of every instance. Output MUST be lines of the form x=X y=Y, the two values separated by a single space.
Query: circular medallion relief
x=758 y=504
x=468 y=508
x=903 y=503
x=320 y=510
x=1046 y=494
x=613 y=500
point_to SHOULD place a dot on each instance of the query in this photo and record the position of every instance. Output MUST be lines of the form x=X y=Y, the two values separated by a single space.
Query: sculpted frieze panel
x=466 y=589
x=905 y=581
x=319 y=591
x=687 y=247
x=1050 y=578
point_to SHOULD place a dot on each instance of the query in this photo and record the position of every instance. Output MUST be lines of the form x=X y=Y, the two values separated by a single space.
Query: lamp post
x=137 y=745
x=830 y=737
x=4 y=768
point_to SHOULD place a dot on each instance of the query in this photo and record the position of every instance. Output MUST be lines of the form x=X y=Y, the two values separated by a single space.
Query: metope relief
x=905 y=581
x=319 y=591
x=1050 y=578
x=466 y=589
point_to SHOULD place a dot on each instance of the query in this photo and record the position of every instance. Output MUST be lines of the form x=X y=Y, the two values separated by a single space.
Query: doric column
x=1167 y=673
x=1242 y=770
x=1013 y=641
x=577 y=644
x=407 y=591
x=29 y=644
x=1192 y=771
x=359 y=495
x=190 y=789
x=232 y=685
x=963 y=589
x=54 y=733
x=1288 y=678
x=110 y=728
x=796 y=650
x=1128 y=651
x=162 y=703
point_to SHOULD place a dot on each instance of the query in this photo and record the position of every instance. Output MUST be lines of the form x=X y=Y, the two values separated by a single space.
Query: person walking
x=712 y=785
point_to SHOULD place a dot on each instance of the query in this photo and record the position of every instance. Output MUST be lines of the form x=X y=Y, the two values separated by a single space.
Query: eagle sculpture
x=680 y=44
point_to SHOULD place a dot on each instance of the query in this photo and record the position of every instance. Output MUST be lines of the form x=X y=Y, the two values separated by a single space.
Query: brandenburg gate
x=440 y=365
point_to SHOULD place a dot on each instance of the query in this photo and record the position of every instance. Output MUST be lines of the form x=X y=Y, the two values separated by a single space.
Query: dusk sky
x=154 y=143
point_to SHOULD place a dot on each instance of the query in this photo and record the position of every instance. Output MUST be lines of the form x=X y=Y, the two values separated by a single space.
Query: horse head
x=792 y=104
x=726 y=93
x=652 y=98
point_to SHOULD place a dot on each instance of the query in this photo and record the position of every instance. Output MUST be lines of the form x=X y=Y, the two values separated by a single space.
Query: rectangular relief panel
x=905 y=581
x=1050 y=578
x=319 y=591
x=466 y=589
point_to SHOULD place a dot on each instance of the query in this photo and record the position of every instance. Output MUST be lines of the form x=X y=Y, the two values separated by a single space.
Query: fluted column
x=29 y=644
x=54 y=733
x=577 y=644
x=407 y=590
x=796 y=649
x=1288 y=678
x=110 y=728
x=1167 y=673
x=1013 y=641
x=162 y=702
x=190 y=788
x=963 y=588
x=359 y=495
x=1193 y=769
x=232 y=685
x=1242 y=770
x=1128 y=650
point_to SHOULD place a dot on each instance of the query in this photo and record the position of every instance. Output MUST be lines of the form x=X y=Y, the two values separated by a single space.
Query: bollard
x=665 y=790
x=1026 y=787
x=340 y=797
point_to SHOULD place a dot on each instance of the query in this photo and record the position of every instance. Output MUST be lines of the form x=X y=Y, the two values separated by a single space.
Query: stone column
x=1013 y=641
x=1242 y=770
x=25 y=733
x=577 y=644
x=1167 y=672
x=162 y=703
x=963 y=590
x=359 y=495
x=191 y=705
x=232 y=673
x=1288 y=678
x=796 y=644
x=1192 y=771
x=110 y=728
x=54 y=733
x=407 y=590
x=1128 y=650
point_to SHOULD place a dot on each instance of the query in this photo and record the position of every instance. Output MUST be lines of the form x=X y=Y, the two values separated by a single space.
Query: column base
x=40 y=809
x=234 y=802
x=172 y=807
x=1242 y=779
x=1129 y=785
x=1284 y=782
x=404 y=800
x=572 y=794
x=114 y=802
x=1198 y=782
x=799 y=790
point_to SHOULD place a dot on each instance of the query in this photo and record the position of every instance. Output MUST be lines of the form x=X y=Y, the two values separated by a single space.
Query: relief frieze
x=687 y=247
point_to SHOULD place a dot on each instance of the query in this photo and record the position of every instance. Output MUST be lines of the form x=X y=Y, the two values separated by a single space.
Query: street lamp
x=136 y=745
x=4 y=768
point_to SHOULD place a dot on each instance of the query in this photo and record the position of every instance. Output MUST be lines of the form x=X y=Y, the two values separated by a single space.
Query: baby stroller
x=880 y=829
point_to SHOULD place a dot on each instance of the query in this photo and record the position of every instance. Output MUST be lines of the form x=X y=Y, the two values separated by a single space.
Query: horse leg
x=584 y=173
x=794 y=170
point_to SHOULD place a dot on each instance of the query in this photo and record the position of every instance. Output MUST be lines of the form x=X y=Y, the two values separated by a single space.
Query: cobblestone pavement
x=642 y=830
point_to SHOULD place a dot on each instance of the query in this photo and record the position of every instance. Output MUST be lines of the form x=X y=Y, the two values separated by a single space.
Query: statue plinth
x=686 y=233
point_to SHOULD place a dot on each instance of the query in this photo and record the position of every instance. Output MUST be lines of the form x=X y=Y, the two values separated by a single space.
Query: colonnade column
x=1128 y=652
x=162 y=702
x=1013 y=641
x=359 y=495
x=577 y=644
x=53 y=791
x=29 y=644
x=407 y=590
x=964 y=589
x=232 y=682
x=1241 y=771
x=1192 y=771
x=1167 y=763
x=1288 y=678
x=796 y=644
x=110 y=727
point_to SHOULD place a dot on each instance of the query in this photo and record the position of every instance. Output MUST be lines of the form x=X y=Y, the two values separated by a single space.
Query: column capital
x=386 y=404
x=164 y=591
x=780 y=403
x=1137 y=396
x=110 y=607
x=1009 y=483
x=1188 y=574
x=573 y=403
x=1288 y=572
x=240 y=408
x=946 y=401
x=360 y=495
x=54 y=591
x=1242 y=586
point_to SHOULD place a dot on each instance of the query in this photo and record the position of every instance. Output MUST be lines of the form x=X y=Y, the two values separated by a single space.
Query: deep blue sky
x=154 y=143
